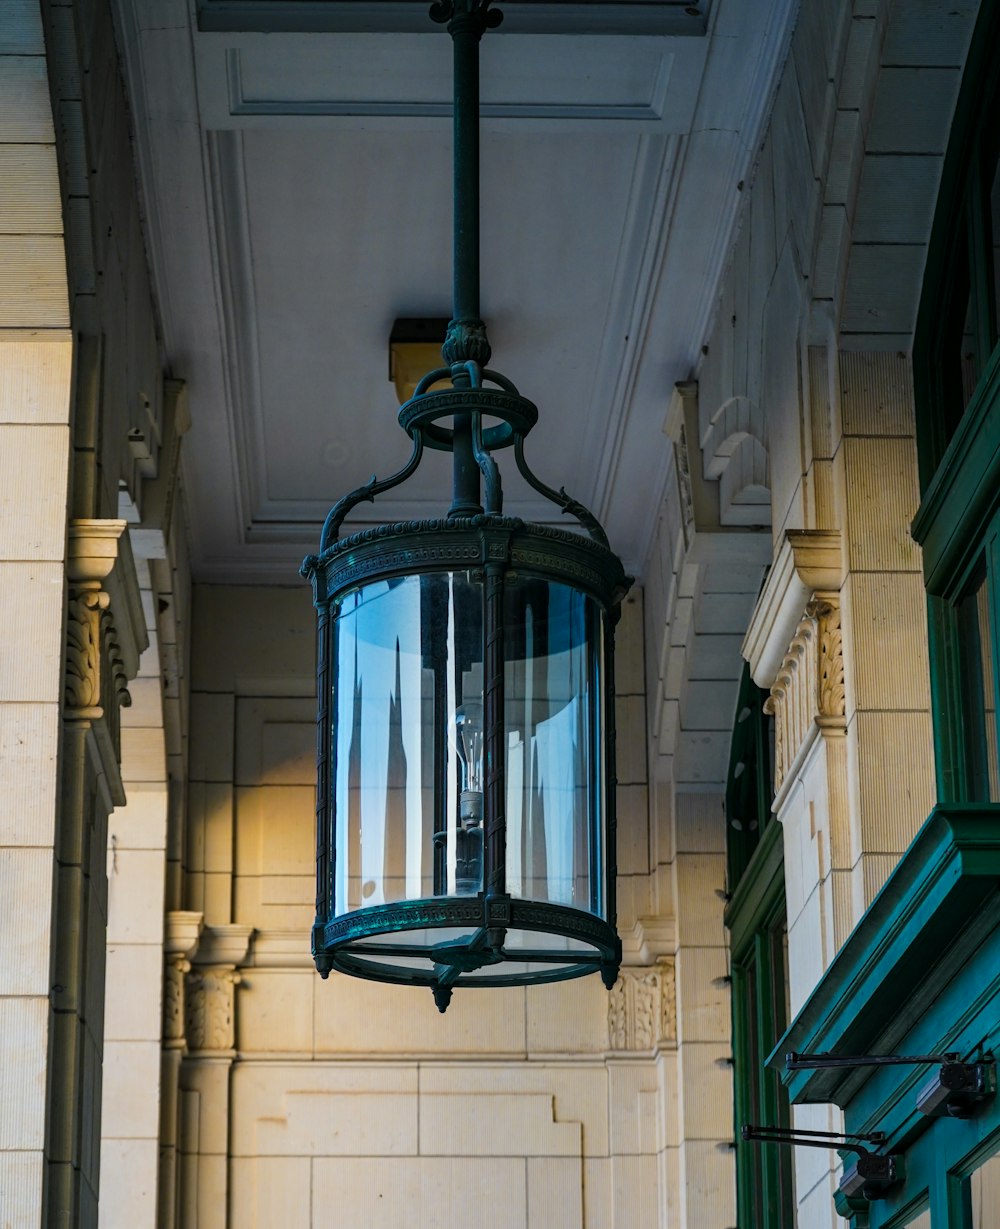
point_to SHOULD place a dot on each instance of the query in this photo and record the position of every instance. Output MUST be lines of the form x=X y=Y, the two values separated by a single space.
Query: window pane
x=923 y=1221
x=552 y=646
x=979 y=691
x=985 y=1189
x=408 y=656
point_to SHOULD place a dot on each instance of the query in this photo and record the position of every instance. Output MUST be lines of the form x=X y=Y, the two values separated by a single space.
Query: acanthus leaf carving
x=173 y=1002
x=209 y=1008
x=642 y=1008
x=809 y=687
x=83 y=657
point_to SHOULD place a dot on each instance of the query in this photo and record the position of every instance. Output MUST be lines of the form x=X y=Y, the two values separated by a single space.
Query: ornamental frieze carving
x=209 y=1008
x=808 y=692
x=642 y=1008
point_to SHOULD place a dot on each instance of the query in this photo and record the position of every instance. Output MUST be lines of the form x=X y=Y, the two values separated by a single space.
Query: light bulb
x=469 y=722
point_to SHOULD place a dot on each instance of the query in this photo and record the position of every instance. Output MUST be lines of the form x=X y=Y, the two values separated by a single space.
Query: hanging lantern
x=465 y=681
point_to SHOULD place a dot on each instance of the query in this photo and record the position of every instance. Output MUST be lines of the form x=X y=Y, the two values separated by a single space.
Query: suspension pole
x=466 y=29
x=466 y=340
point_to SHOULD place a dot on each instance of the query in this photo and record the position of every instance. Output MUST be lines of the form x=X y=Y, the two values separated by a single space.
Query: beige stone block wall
x=35 y=375
x=885 y=620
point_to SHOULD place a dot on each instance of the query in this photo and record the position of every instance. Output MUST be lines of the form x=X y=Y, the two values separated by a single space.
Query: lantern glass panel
x=552 y=686
x=406 y=759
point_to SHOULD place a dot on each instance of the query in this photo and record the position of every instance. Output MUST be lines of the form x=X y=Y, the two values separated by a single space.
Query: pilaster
x=795 y=648
x=209 y=1043
x=105 y=634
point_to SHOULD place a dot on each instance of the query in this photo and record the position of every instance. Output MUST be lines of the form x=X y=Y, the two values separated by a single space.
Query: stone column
x=210 y=1035
x=182 y=931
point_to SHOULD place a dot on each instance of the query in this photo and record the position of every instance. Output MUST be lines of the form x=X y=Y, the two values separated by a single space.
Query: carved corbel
x=808 y=564
x=642 y=1008
x=105 y=635
x=210 y=1009
x=210 y=990
x=183 y=929
x=808 y=691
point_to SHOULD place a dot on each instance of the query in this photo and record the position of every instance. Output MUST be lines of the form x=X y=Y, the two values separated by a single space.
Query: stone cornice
x=806 y=561
x=182 y=931
x=649 y=939
x=223 y=945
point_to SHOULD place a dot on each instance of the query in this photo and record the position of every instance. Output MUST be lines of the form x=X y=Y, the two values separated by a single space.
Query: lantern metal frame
x=478 y=537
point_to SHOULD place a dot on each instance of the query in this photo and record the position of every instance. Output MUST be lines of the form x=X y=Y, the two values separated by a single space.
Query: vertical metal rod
x=465 y=34
x=609 y=972
x=495 y=834
x=465 y=489
x=466 y=340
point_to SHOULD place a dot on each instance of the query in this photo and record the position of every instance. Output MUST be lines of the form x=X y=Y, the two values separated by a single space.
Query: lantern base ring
x=378 y=943
x=517 y=415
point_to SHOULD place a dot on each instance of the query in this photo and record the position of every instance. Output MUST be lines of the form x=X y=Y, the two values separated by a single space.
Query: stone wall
x=81 y=382
x=805 y=389
x=36 y=358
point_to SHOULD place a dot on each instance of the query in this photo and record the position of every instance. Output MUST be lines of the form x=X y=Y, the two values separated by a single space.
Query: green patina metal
x=920 y=974
x=446 y=940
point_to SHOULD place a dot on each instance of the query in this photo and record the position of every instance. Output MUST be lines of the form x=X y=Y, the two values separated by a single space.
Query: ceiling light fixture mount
x=465 y=684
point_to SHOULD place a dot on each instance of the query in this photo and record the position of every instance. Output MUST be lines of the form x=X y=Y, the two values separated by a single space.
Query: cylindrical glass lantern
x=466 y=795
x=465 y=783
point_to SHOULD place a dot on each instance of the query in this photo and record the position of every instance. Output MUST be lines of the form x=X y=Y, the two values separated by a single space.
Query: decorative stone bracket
x=105 y=635
x=209 y=991
x=642 y=1008
x=806 y=562
x=183 y=930
x=794 y=644
x=808 y=692
x=209 y=1009
x=723 y=476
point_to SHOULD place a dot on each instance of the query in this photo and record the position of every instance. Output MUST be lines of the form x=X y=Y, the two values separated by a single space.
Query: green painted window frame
x=756 y=918
x=959 y=450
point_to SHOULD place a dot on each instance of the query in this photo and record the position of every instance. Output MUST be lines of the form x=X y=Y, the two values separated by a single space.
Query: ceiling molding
x=234 y=263
x=678 y=17
x=242 y=102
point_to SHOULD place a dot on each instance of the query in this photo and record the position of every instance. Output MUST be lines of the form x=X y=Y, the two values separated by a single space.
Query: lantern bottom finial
x=442 y=997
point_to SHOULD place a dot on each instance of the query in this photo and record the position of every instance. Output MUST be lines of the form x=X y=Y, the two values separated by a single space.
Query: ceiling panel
x=298 y=199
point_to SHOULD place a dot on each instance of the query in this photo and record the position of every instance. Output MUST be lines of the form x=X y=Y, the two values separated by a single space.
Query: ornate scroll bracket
x=808 y=692
x=105 y=635
x=642 y=1008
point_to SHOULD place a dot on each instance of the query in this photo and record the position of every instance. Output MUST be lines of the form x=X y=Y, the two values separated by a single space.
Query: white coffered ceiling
x=297 y=186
